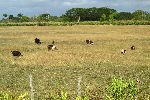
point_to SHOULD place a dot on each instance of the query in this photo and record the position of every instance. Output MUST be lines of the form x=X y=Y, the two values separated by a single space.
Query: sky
x=58 y=7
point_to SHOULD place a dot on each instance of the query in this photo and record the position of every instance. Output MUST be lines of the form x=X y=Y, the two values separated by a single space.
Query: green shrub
x=121 y=90
x=58 y=96
x=82 y=98
x=8 y=96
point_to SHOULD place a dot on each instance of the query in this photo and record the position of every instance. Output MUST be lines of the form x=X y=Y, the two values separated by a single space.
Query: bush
x=59 y=96
x=82 y=98
x=8 y=96
x=121 y=90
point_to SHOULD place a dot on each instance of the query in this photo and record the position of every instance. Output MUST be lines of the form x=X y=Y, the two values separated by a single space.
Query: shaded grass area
x=59 y=70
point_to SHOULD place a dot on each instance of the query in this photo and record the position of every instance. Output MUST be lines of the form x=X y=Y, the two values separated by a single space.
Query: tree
x=24 y=19
x=10 y=17
x=5 y=15
x=74 y=14
x=20 y=15
x=103 y=18
x=88 y=14
x=64 y=18
x=112 y=17
x=106 y=11
x=43 y=17
x=140 y=15
x=124 y=16
x=148 y=17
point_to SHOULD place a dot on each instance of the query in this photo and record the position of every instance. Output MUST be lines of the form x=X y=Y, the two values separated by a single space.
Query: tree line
x=81 y=14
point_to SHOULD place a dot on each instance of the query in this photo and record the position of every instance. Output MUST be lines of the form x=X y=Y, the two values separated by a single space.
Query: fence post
x=31 y=87
x=79 y=86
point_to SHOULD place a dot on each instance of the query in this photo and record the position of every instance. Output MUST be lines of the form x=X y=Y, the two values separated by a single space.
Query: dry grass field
x=60 y=69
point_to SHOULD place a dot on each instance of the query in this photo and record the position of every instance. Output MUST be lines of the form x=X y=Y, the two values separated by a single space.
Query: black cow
x=37 y=41
x=16 y=53
x=89 y=42
x=133 y=48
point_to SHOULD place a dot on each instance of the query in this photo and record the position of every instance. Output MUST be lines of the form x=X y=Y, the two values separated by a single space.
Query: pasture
x=59 y=69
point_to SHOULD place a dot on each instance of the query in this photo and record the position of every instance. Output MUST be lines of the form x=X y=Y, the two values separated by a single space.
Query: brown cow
x=51 y=47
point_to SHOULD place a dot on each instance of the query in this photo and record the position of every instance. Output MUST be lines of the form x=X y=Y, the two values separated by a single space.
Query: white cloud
x=78 y=2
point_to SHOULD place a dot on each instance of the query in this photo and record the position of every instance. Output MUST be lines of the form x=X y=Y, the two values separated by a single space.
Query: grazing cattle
x=123 y=51
x=16 y=53
x=51 y=47
x=133 y=48
x=37 y=41
x=89 y=42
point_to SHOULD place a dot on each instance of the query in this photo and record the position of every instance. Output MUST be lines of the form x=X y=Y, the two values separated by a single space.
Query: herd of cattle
x=52 y=46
